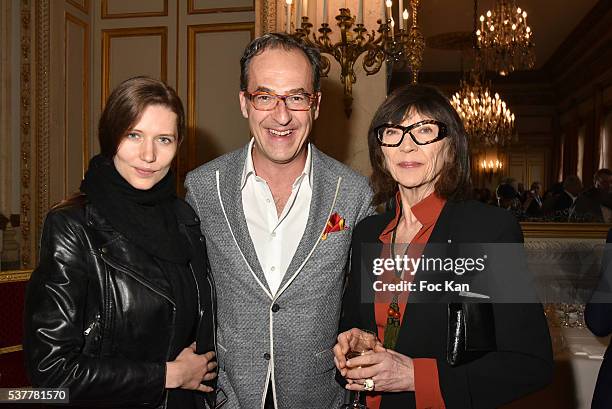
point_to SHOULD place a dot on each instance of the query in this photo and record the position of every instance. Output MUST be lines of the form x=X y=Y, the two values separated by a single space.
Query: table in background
x=578 y=356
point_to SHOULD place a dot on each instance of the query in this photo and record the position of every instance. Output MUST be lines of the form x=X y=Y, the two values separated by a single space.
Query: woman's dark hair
x=454 y=181
x=126 y=104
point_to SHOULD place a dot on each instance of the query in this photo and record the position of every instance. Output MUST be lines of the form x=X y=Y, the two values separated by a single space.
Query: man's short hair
x=505 y=191
x=275 y=41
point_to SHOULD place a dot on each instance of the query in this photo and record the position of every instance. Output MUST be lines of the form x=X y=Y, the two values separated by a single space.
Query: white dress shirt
x=275 y=238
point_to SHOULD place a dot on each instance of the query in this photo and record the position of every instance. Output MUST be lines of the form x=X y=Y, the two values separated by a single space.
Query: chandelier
x=403 y=45
x=486 y=117
x=505 y=38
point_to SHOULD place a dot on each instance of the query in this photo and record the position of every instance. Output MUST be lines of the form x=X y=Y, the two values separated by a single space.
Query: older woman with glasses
x=420 y=159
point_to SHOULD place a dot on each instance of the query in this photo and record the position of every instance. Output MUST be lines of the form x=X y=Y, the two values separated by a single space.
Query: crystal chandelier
x=486 y=117
x=505 y=39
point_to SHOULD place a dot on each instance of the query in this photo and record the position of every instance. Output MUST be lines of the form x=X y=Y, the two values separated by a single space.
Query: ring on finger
x=368 y=385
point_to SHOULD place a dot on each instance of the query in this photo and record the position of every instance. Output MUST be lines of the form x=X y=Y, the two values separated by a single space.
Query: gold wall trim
x=192 y=77
x=69 y=18
x=268 y=16
x=106 y=15
x=83 y=6
x=42 y=110
x=14 y=276
x=108 y=35
x=25 y=113
x=12 y=348
x=192 y=9
x=565 y=230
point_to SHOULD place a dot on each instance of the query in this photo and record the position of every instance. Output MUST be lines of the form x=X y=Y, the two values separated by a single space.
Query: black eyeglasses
x=267 y=101
x=422 y=133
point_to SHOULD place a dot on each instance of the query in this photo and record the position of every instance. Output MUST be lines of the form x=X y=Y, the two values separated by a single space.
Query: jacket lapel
x=323 y=193
x=127 y=258
x=231 y=195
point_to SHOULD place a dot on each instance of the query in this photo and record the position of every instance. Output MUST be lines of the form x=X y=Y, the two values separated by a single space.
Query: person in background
x=278 y=216
x=550 y=197
x=532 y=205
x=507 y=198
x=598 y=318
x=520 y=191
x=595 y=203
x=420 y=159
x=572 y=186
x=120 y=309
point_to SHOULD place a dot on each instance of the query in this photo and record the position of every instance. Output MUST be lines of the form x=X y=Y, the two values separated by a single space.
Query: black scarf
x=145 y=217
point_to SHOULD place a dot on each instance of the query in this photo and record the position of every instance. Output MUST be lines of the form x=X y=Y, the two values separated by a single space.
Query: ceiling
x=552 y=21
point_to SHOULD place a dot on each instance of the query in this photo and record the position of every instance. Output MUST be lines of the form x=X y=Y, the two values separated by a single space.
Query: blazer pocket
x=323 y=362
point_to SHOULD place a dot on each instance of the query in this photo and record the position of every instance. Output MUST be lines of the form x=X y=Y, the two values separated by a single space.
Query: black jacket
x=99 y=314
x=523 y=360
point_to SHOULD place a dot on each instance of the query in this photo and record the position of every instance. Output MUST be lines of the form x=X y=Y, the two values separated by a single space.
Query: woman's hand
x=342 y=347
x=189 y=369
x=390 y=371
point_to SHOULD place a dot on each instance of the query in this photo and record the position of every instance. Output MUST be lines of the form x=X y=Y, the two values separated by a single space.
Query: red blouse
x=426 y=384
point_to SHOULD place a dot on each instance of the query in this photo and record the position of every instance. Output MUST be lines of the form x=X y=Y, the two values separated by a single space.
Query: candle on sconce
x=400 y=8
x=325 y=12
x=360 y=13
x=405 y=16
x=298 y=14
x=389 y=4
x=289 y=15
x=304 y=9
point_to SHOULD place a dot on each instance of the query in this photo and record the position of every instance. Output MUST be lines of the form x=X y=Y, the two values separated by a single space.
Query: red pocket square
x=335 y=223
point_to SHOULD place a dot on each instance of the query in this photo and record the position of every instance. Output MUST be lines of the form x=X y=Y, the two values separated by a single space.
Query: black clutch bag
x=471 y=332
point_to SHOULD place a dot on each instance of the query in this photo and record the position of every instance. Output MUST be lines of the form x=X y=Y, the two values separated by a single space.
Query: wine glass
x=359 y=344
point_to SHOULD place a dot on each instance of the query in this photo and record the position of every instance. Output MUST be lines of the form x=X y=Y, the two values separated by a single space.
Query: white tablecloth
x=578 y=356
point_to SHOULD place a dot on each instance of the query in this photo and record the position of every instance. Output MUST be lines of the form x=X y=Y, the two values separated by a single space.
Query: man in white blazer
x=277 y=216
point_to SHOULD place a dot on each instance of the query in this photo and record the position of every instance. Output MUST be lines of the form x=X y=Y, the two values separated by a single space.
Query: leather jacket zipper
x=94 y=323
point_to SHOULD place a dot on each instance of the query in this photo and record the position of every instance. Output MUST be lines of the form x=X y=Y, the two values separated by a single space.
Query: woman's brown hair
x=123 y=109
x=454 y=181
x=126 y=104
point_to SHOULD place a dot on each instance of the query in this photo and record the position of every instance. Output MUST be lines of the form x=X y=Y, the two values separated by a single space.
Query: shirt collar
x=249 y=168
x=426 y=211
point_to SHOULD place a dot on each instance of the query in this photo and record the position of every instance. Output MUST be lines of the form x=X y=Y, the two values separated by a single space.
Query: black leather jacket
x=99 y=314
